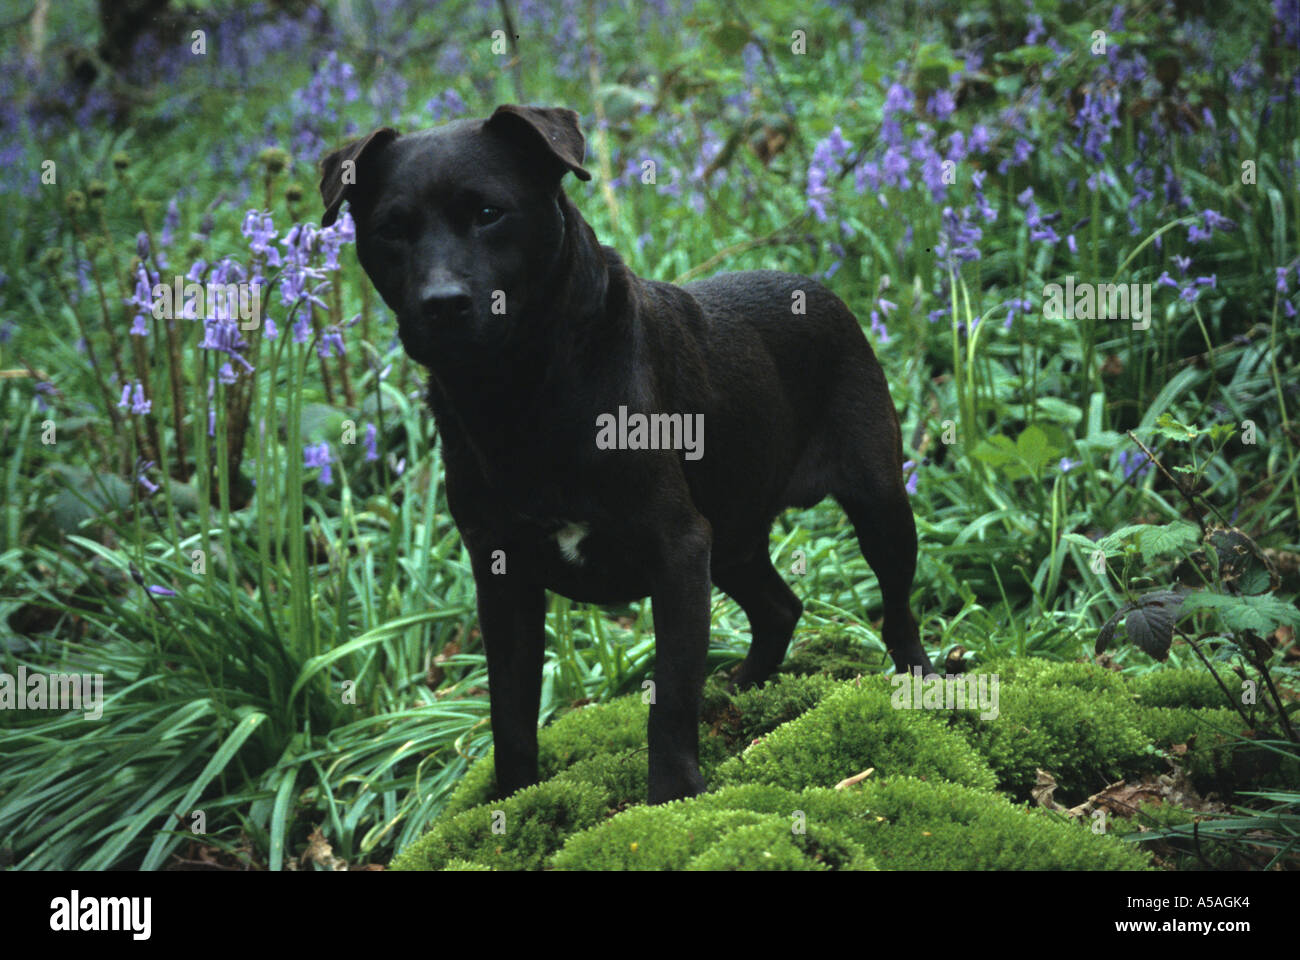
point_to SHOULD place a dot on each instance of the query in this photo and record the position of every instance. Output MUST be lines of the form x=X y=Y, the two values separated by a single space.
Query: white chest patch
x=568 y=539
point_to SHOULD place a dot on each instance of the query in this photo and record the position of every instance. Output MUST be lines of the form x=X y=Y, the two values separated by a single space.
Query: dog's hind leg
x=772 y=609
x=886 y=529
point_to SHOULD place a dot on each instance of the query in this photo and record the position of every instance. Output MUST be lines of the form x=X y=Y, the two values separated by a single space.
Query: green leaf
x=1173 y=429
x=1160 y=539
x=1148 y=622
x=996 y=451
x=1058 y=410
x=1261 y=614
x=1113 y=544
x=1035 y=450
x=86 y=496
x=321 y=423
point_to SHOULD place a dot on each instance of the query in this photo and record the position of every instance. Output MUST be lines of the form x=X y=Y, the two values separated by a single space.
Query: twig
x=1257 y=661
x=1197 y=511
x=1222 y=686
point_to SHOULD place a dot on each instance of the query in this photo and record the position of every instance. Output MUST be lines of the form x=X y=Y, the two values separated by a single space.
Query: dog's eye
x=487 y=214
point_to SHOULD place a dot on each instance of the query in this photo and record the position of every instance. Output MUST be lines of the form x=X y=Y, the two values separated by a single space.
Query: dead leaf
x=1042 y=790
x=320 y=852
x=856 y=778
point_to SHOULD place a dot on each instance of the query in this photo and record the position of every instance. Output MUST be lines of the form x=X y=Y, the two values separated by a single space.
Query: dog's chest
x=568 y=540
x=586 y=561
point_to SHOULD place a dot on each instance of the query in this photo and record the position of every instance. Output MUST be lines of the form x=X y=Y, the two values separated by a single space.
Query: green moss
x=664 y=837
x=832 y=652
x=909 y=824
x=1084 y=738
x=756 y=712
x=532 y=823
x=758 y=846
x=856 y=727
x=477 y=786
x=1169 y=687
x=1166 y=726
x=578 y=735
x=464 y=865
x=773 y=846
x=695 y=835
x=1056 y=674
x=623 y=776
x=945 y=826
x=730 y=722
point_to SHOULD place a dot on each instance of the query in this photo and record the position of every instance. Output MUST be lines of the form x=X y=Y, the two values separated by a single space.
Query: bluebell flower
x=913 y=474
x=371 y=443
x=1134 y=463
x=133 y=397
x=319 y=456
x=822 y=168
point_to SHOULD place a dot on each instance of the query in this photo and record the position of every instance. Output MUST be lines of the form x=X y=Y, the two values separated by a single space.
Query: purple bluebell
x=142 y=469
x=319 y=456
x=826 y=158
x=1134 y=463
x=133 y=397
x=912 y=472
x=331 y=341
x=371 y=443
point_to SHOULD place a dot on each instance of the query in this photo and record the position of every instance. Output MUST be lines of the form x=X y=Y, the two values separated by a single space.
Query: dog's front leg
x=680 y=595
x=512 y=619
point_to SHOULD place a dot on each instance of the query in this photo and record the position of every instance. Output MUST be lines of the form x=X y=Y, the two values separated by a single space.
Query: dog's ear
x=339 y=170
x=553 y=128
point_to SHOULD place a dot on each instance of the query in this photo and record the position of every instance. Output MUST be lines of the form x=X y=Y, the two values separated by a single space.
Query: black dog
x=544 y=348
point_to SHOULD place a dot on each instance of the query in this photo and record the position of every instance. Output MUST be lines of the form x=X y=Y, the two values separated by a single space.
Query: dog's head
x=460 y=227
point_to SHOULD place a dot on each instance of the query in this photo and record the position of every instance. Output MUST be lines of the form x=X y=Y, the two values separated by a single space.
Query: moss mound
x=1057 y=674
x=1182 y=688
x=1086 y=739
x=855 y=728
x=518 y=833
x=591 y=731
x=773 y=754
x=687 y=835
x=831 y=652
x=899 y=824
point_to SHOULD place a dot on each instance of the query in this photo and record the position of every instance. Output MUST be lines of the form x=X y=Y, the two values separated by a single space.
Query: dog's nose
x=446 y=300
